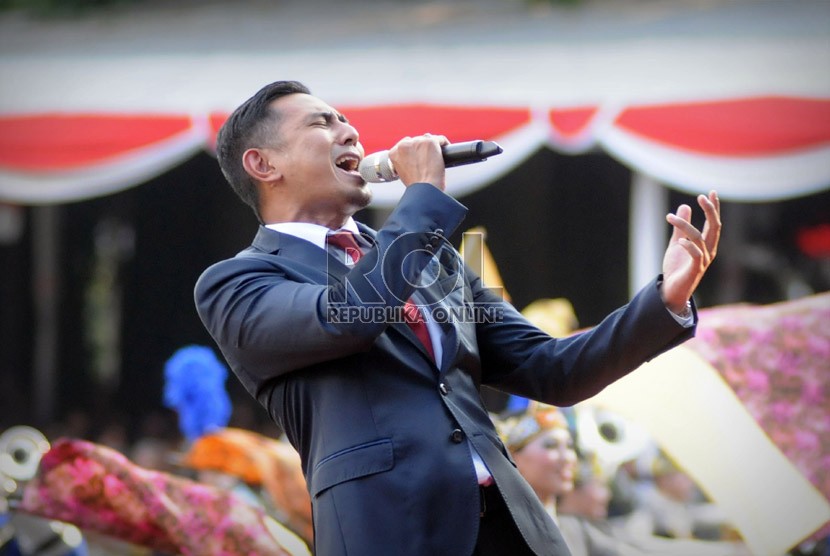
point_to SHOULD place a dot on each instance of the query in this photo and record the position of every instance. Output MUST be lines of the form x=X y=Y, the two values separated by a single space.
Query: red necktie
x=345 y=240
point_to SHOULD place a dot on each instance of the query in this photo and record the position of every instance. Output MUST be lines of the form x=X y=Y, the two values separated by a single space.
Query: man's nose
x=350 y=136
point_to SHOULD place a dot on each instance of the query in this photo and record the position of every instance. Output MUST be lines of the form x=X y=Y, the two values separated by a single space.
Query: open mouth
x=348 y=162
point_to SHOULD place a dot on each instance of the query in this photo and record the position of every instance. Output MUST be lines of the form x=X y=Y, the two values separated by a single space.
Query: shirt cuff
x=687 y=319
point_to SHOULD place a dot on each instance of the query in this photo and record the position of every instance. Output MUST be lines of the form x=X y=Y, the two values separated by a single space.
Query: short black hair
x=245 y=128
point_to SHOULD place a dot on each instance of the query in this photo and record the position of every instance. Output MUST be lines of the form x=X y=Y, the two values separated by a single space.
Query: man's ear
x=259 y=165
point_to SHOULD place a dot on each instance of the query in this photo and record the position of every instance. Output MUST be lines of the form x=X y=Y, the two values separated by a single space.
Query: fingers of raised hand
x=681 y=220
x=688 y=236
x=712 y=228
x=699 y=255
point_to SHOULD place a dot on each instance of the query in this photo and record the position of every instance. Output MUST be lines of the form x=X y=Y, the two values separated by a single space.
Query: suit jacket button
x=444 y=388
x=457 y=436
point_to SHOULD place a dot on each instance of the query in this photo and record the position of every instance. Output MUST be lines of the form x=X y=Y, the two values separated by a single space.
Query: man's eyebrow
x=314 y=116
x=328 y=116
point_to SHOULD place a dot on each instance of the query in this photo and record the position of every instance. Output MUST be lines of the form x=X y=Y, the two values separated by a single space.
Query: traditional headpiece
x=194 y=385
x=517 y=431
x=554 y=316
x=589 y=468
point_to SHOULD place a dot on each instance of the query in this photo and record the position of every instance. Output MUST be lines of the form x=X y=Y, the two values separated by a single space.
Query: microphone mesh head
x=377 y=168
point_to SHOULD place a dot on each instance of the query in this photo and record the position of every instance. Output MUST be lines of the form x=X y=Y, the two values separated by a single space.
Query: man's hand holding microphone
x=424 y=159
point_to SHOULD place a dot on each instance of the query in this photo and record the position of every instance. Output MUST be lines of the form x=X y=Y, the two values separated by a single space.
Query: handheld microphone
x=377 y=168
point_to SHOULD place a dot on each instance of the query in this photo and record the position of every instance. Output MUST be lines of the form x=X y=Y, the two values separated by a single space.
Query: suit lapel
x=443 y=299
x=401 y=327
x=315 y=265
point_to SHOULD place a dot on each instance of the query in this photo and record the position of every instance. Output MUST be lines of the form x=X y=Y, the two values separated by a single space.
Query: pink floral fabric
x=777 y=360
x=98 y=489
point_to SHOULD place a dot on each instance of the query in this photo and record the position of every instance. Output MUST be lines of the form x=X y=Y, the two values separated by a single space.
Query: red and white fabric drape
x=748 y=148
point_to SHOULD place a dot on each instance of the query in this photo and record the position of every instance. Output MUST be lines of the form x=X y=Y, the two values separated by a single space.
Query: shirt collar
x=314 y=233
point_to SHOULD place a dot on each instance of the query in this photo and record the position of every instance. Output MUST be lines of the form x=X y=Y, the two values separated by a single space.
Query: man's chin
x=363 y=196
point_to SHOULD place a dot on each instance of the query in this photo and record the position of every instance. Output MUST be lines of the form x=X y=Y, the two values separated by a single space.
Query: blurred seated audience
x=671 y=505
x=576 y=494
x=583 y=518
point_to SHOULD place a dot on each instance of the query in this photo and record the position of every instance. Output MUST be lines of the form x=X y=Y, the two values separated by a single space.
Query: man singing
x=398 y=451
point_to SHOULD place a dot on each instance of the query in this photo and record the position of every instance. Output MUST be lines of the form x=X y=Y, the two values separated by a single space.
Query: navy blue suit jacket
x=381 y=429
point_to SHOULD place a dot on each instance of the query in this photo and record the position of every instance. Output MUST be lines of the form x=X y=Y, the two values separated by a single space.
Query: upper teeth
x=347 y=162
